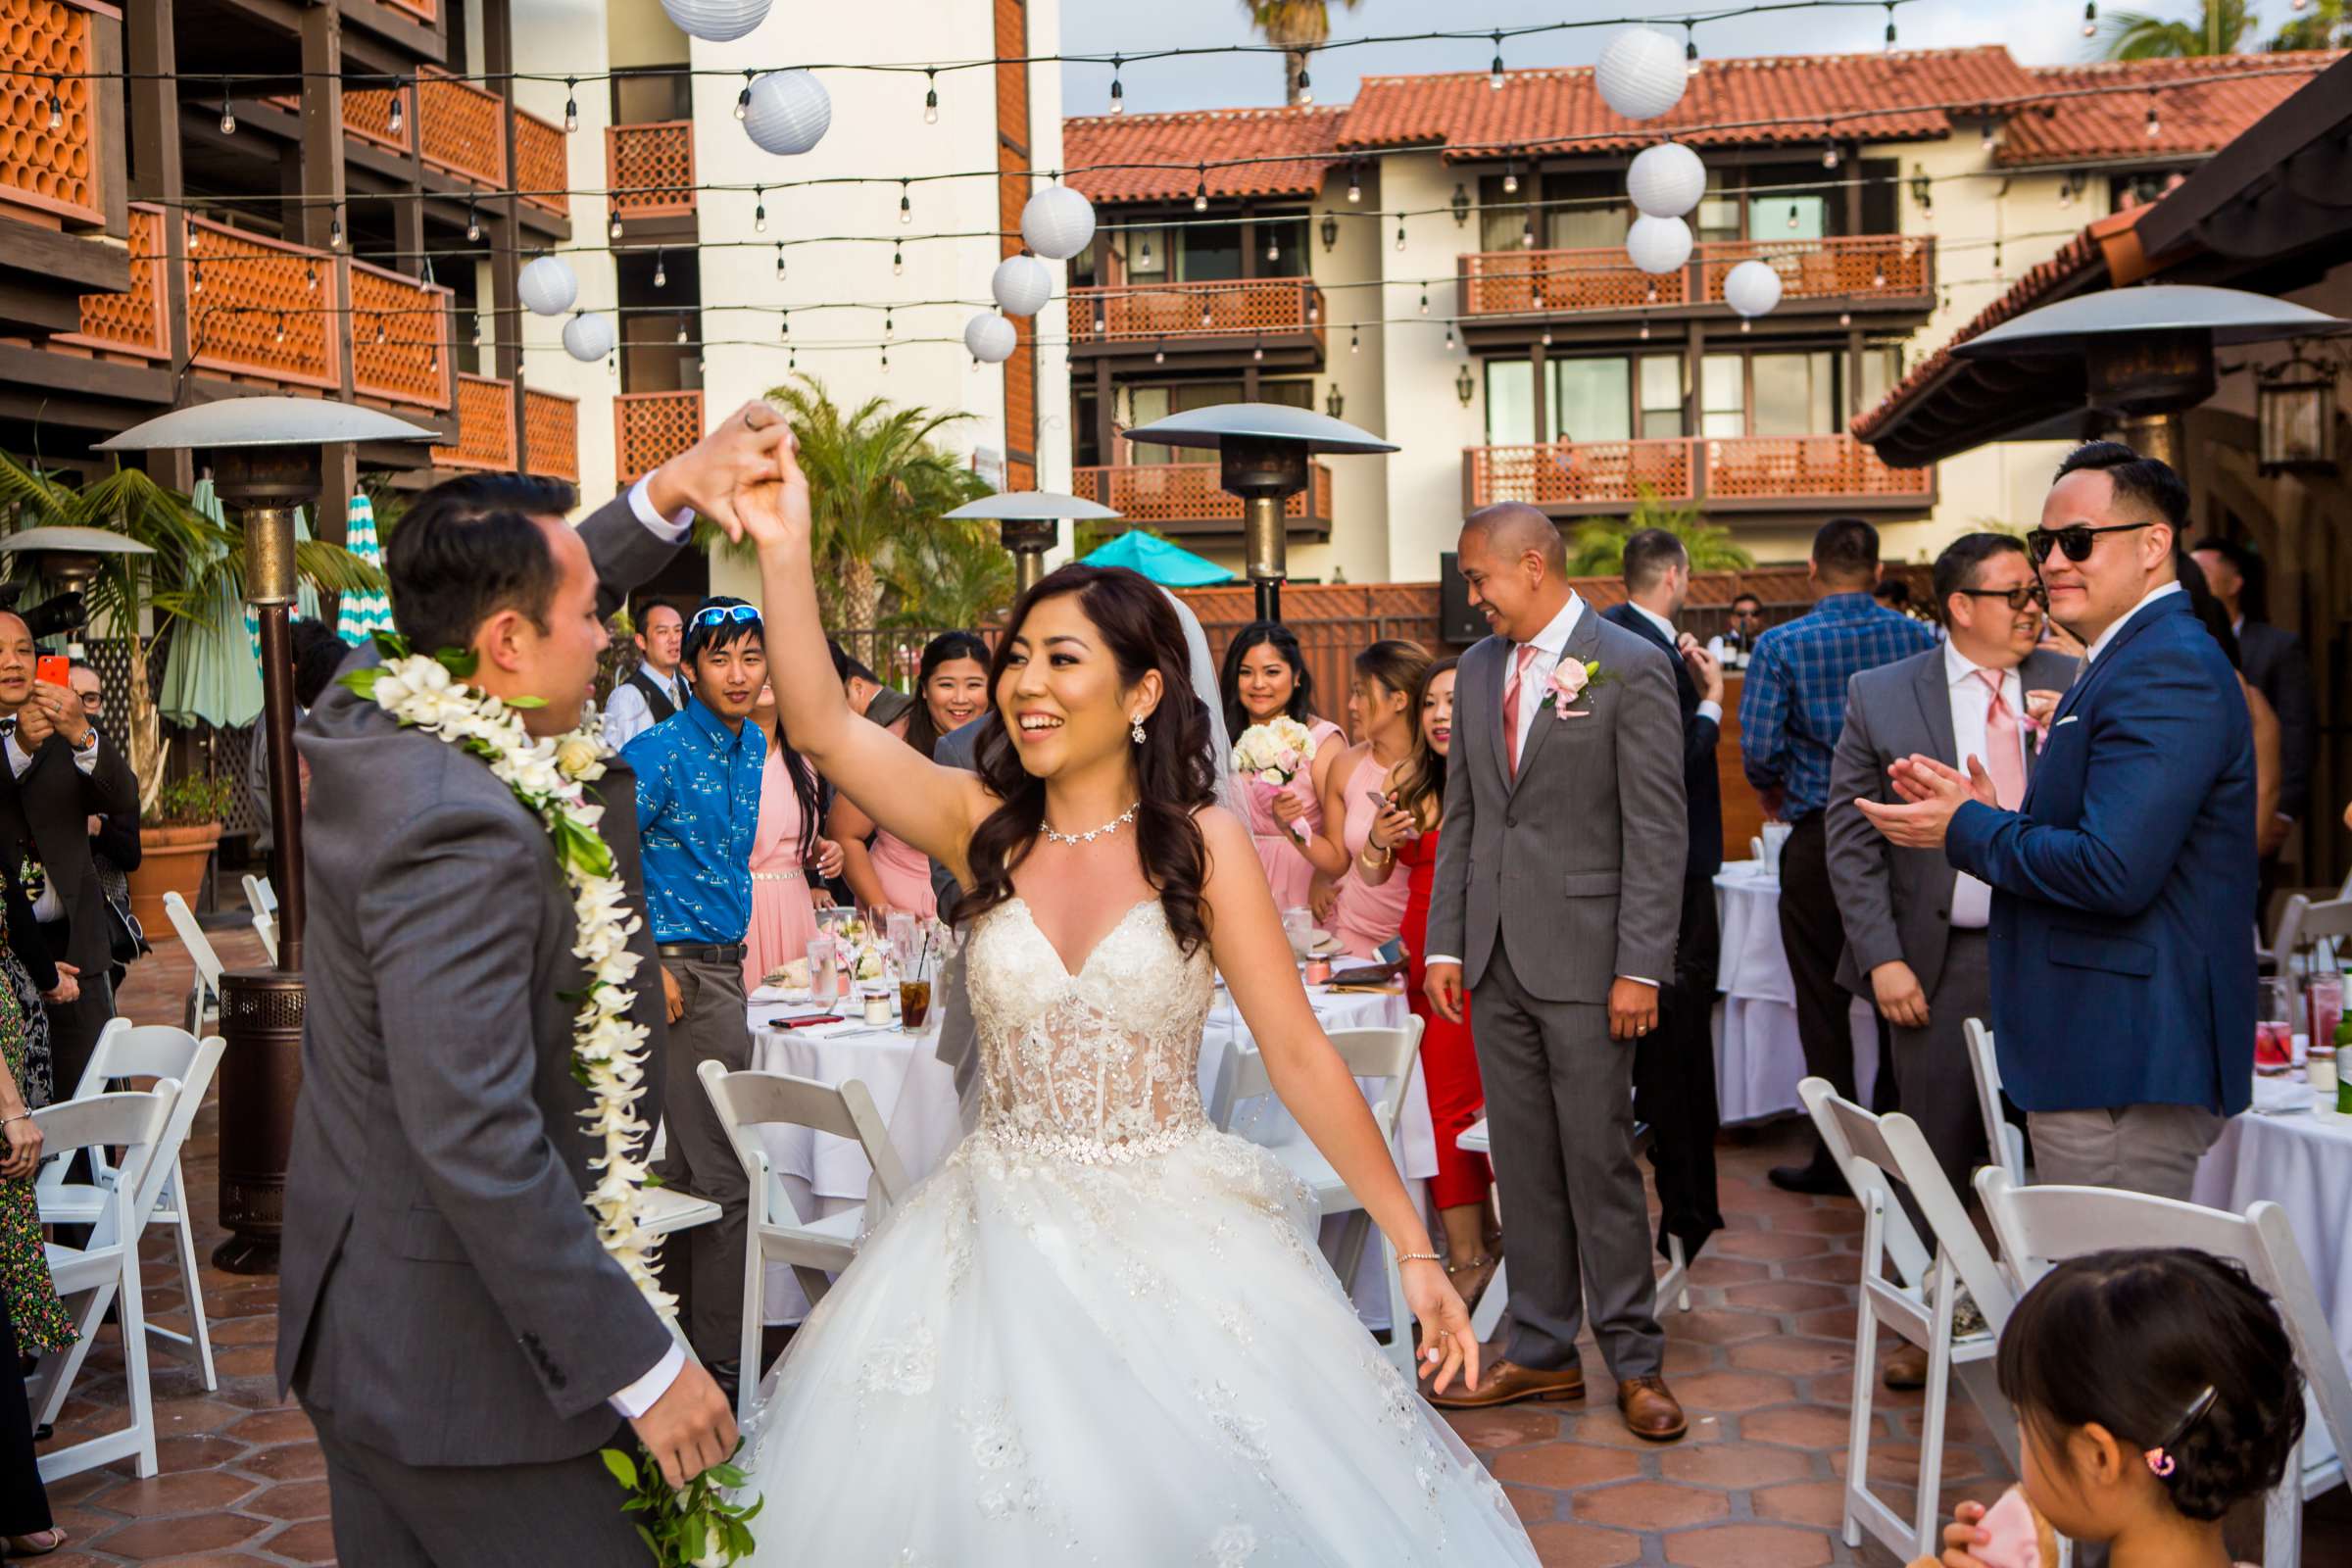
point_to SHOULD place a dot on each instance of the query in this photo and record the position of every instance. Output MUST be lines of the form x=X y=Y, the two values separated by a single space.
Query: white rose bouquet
x=1274 y=754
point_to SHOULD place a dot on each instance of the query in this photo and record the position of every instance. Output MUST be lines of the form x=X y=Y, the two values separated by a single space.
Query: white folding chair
x=2038 y=1226
x=2305 y=928
x=204 y=990
x=1875 y=1152
x=1387 y=1054
x=819 y=1248
x=2003 y=1136
x=261 y=899
x=125 y=1051
x=105 y=1272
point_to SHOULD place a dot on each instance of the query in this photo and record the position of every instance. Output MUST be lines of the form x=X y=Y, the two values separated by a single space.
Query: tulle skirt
x=1143 y=1361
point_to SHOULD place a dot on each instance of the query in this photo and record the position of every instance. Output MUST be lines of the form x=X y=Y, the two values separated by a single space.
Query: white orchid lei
x=548 y=776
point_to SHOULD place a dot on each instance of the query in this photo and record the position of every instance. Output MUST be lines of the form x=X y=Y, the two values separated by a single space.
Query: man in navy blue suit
x=2122 y=962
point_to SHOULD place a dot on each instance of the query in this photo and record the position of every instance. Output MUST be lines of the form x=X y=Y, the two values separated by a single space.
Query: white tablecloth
x=2302 y=1162
x=1759 y=1057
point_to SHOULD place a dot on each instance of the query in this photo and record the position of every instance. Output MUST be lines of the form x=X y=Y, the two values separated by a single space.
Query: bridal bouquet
x=1274 y=754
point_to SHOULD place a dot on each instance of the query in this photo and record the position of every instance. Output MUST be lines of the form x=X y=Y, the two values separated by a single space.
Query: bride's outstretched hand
x=1447 y=1345
x=776 y=511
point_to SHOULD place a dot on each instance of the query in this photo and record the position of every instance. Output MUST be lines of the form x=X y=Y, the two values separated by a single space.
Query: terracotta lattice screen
x=132 y=321
x=45 y=59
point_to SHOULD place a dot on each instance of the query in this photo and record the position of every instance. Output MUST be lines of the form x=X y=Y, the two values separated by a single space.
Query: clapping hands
x=1930 y=791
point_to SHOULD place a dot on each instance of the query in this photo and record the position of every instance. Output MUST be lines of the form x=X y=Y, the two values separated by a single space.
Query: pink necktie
x=1511 y=687
x=2006 y=762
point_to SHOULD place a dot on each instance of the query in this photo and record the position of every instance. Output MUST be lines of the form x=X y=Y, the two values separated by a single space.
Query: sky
x=2037 y=32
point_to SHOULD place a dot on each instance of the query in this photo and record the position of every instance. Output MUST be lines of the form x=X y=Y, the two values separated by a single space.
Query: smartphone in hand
x=51 y=669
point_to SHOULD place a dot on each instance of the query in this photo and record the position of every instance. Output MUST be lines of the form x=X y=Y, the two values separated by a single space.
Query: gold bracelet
x=1365 y=858
x=1418 y=1257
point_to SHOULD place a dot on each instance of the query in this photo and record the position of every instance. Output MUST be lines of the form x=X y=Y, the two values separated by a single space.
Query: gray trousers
x=388 y=1514
x=2136 y=1149
x=698 y=1157
x=1933 y=1080
x=1560 y=1110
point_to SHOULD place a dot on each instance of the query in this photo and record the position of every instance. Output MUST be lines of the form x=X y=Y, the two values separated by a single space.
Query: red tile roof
x=2196 y=118
x=1103 y=153
x=1902 y=93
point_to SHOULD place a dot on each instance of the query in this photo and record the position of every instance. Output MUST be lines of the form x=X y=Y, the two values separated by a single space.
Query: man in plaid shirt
x=1790 y=713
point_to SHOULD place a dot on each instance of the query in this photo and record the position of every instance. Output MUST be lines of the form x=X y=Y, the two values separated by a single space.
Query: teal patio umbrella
x=1169 y=566
x=362 y=613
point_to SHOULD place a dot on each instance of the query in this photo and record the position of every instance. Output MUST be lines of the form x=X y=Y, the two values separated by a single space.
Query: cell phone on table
x=809 y=1022
x=50 y=670
x=1391 y=951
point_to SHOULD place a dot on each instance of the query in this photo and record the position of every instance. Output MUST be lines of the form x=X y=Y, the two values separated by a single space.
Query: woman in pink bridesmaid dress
x=786 y=856
x=951 y=689
x=1380 y=707
x=1266 y=678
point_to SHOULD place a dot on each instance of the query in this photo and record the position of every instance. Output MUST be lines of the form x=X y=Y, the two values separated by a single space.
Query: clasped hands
x=733 y=475
x=1930 y=791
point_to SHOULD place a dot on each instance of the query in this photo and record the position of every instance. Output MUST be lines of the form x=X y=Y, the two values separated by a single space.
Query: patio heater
x=265 y=461
x=69 y=560
x=2147 y=352
x=1030 y=521
x=1263 y=450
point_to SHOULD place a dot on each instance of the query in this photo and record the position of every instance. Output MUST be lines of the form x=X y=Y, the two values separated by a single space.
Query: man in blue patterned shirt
x=698 y=805
x=1791 y=713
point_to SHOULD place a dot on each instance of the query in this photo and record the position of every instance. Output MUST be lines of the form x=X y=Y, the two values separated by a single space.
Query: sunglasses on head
x=720 y=615
x=2075 y=539
x=2031 y=593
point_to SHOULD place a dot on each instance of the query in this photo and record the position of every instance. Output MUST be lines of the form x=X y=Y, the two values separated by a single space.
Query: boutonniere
x=1569 y=681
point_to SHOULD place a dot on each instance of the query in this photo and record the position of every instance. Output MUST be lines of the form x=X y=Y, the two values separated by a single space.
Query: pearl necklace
x=1111 y=827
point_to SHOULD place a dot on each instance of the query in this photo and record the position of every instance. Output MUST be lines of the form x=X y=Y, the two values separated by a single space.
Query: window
x=1723 y=395
x=1792 y=394
x=1792 y=201
x=1510 y=402
x=1147 y=255
x=1592 y=400
x=1506 y=221
x=1661 y=383
x=1211 y=255
x=1281 y=248
x=652 y=94
x=1882 y=369
x=1585 y=212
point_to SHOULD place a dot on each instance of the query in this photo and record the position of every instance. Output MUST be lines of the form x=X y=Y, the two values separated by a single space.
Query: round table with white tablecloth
x=2302 y=1161
x=1759 y=1057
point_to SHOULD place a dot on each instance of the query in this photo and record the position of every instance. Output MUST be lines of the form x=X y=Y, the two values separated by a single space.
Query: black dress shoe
x=1819 y=1177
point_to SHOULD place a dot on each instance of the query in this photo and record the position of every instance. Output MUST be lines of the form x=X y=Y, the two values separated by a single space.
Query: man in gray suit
x=1558 y=893
x=455 y=1330
x=1916 y=928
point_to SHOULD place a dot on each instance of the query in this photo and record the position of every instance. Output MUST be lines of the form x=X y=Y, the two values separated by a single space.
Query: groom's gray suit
x=445 y=1310
x=1550 y=886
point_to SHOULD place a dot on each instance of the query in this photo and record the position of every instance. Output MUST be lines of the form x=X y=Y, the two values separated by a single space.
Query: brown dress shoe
x=1907 y=1367
x=1506 y=1382
x=1650 y=1412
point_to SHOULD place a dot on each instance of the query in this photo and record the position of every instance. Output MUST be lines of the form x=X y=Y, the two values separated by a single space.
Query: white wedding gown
x=1099 y=1334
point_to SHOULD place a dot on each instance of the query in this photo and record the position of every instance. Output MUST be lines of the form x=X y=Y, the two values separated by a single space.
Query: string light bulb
x=613 y=229
x=1258 y=353
x=785 y=319
x=282 y=327
x=1494 y=71
x=1119 y=88
x=1159 y=356
x=779 y=261
x=2090 y=18
x=1829 y=155
x=1450 y=337
x=2155 y=124
x=1201 y=191
x=57 y=107
x=1355 y=187
x=1400 y=233
x=309 y=275
x=1646 y=329
x=1890 y=4
x=1425 y=302
x=1510 y=177
x=681 y=327
x=743 y=99
x=906 y=203
x=1146 y=262
x=394 y=122
x=196 y=277
x=477 y=331
x=1307 y=83
x=1273 y=247
x=228 y=118
x=571 y=103
x=662 y=268
x=759 y=210
x=334 y=238
x=930 y=97
x=1355 y=341
x=888 y=330
x=473 y=224
x=1526 y=234
x=1690 y=49
x=1792 y=218
x=898 y=263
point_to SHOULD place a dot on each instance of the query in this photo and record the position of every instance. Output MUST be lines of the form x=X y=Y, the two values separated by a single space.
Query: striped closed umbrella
x=211 y=672
x=367 y=612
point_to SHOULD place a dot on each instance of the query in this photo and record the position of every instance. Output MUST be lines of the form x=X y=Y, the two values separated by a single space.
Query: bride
x=1099 y=1329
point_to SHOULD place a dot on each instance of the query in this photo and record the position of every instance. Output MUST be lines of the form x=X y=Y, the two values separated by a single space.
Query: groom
x=1560 y=881
x=455 y=1330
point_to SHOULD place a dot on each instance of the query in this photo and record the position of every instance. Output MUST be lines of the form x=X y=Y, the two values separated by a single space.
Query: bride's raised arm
x=932 y=807
x=1252 y=952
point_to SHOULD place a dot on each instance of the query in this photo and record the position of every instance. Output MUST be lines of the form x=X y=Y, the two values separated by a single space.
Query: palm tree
x=2329 y=26
x=2221 y=27
x=195 y=563
x=877 y=481
x=1598 y=550
x=1298 y=27
x=955 y=574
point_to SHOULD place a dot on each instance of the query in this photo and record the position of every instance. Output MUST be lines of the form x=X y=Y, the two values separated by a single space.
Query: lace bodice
x=1100 y=1065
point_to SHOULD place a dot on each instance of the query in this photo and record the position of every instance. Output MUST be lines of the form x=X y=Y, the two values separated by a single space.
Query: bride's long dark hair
x=1173 y=767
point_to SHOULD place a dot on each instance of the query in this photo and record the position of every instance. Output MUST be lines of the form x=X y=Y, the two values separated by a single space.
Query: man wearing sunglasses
x=2122 y=962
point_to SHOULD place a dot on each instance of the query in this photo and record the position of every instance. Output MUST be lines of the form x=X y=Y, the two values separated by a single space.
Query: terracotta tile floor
x=1763 y=1362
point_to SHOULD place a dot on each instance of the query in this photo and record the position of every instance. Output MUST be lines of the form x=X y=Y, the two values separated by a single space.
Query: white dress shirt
x=1972 y=708
x=628 y=716
x=2099 y=643
x=1706 y=708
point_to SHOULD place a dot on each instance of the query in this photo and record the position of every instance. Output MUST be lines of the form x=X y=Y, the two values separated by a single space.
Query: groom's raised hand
x=690 y=1428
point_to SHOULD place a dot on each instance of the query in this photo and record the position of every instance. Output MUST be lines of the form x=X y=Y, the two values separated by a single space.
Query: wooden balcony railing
x=367 y=115
x=485 y=426
x=1856 y=268
x=134 y=321
x=400 y=338
x=1187 y=493
x=542 y=171
x=551 y=435
x=50 y=61
x=650 y=169
x=421 y=10
x=458 y=124
x=649 y=429
x=1249 y=307
x=1736 y=473
x=261 y=307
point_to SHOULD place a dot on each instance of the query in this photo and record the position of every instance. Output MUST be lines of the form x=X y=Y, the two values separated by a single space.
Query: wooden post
x=1106 y=426
x=1539 y=364
x=498 y=58
x=318 y=168
x=154 y=105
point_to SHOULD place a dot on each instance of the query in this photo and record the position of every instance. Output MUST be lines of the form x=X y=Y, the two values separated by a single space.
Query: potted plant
x=178 y=834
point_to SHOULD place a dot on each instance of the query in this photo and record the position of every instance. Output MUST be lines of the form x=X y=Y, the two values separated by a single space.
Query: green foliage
x=195 y=799
x=698 y=1525
x=956 y=572
x=1598 y=548
x=2327 y=25
x=1296 y=28
x=2217 y=28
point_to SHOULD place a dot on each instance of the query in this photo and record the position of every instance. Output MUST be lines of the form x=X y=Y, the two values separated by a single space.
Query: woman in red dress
x=1406 y=835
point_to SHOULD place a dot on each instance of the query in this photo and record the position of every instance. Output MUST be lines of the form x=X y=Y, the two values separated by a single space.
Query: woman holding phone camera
x=1408 y=830
x=1380 y=708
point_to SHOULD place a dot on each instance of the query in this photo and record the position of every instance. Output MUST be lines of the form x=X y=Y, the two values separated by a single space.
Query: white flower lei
x=608 y=1054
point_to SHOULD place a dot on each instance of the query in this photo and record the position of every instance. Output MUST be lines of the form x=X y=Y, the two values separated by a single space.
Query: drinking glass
x=915 y=1004
x=2274 y=1028
x=825 y=981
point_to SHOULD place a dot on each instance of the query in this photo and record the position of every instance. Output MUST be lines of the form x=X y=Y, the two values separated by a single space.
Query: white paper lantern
x=716 y=21
x=1658 y=244
x=1059 y=222
x=548 y=286
x=1666 y=180
x=789 y=112
x=990 y=338
x=588 y=337
x=1642 y=74
x=1753 y=288
x=1022 y=285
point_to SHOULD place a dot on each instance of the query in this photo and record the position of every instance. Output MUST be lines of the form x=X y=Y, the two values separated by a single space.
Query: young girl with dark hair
x=2155 y=1390
x=1265 y=678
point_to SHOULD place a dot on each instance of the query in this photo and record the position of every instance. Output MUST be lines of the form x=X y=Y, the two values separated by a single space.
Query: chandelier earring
x=1135 y=729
